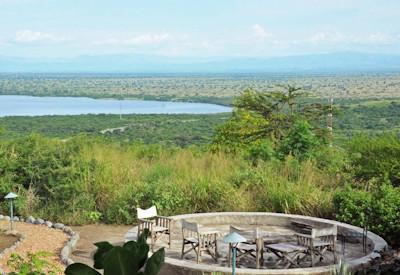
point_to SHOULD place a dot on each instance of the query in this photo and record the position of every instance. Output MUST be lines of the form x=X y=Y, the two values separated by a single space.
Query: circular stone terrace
x=349 y=245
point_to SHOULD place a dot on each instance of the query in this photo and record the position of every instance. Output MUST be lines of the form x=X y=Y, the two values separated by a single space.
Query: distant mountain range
x=323 y=63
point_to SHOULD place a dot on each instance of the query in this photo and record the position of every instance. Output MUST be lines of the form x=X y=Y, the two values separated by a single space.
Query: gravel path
x=37 y=238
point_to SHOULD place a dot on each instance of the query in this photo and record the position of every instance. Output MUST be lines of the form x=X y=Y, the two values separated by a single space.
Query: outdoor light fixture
x=233 y=239
x=11 y=196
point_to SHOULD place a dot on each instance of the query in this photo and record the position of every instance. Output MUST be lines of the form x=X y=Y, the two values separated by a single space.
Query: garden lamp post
x=11 y=196
x=233 y=239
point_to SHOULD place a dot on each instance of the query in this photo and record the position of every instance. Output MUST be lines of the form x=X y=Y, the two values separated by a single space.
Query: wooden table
x=260 y=239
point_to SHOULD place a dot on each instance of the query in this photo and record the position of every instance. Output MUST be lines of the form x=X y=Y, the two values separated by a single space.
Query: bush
x=376 y=157
x=300 y=142
x=379 y=209
x=260 y=151
x=130 y=258
x=33 y=264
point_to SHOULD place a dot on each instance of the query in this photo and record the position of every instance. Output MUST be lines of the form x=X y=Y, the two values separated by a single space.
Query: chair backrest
x=146 y=213
x=190 y=226
x=190 y=229
x=324 y=232
x=249 y=234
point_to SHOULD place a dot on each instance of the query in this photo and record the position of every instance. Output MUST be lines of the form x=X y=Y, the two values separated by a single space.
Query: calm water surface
x=38 y=106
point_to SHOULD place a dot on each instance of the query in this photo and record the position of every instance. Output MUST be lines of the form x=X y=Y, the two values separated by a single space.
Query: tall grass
x=114 y=179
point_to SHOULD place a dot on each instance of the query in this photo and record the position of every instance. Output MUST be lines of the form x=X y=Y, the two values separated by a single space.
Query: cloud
x=140 y=40
x=146 y=39
x=29 y=36
x=323 y=37
x=335 y=37
x=259 y=32
x=380 y=38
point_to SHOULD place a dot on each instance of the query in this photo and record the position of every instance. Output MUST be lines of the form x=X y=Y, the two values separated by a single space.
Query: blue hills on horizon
x=126 y=63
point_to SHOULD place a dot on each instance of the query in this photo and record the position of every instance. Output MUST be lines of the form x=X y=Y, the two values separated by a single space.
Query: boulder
x=7 y=218
x=1 y=217
x=16 y=219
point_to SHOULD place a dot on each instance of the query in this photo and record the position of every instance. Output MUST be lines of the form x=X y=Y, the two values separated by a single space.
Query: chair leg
x=169 y=239
x=312 y=257
x=229 y=255
x=334 y=252
x=183 y=248
x=153 y=241
x=216 y=251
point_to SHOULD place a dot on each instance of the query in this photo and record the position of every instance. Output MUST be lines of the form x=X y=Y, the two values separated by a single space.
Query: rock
x=65 y=254
x=30 y=219
x=68 y=230
x=7 y=218
x=1 y=217
x=16 y=219
x=58 y=226
x=73 y=241
x=39 y=221
x=21 y=219
x=48 y=223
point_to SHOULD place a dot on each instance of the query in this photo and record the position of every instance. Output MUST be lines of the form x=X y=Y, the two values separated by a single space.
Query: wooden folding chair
x=199 y=241
x=158 y=226
x=248 y=248
x=319 y=242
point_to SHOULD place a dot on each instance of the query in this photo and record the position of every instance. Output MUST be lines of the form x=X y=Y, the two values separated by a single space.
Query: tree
x=268 y=115
x=300 y=141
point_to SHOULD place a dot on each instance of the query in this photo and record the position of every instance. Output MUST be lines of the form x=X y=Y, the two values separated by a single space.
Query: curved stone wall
x=176 y=266
x=65 y=251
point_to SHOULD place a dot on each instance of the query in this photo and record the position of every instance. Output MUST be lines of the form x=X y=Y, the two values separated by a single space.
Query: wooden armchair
x=199 y=241
x=158 y=226
x=319 y=242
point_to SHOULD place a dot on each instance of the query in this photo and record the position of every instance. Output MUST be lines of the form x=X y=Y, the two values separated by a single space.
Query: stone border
x=186 y=267
x=65 y=251
x=13 y=247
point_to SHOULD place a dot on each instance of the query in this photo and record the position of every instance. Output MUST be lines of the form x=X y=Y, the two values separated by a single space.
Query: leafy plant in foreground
x=34 y=264
x=131 y=258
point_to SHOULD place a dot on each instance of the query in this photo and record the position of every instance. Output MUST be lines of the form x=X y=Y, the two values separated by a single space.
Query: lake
x=11 y=105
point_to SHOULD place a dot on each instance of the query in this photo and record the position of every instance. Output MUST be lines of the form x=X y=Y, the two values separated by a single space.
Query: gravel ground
x=38 y=238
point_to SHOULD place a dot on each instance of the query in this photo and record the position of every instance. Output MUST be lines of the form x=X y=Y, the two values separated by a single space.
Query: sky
x=197 y=29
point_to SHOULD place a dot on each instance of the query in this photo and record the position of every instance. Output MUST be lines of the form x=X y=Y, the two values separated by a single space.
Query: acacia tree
x=260 y=116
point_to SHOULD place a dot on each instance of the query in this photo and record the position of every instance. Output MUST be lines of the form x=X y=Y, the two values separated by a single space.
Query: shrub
x=299 y=142
x=379 y=209
x=376 y=157
x=34 y=264
x=260 y=151
x=130 y=258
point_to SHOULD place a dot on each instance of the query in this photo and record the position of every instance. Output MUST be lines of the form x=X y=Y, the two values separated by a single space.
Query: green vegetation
x=33 y=264
x=271 y=154
x=180 y=130
x=119 y=260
